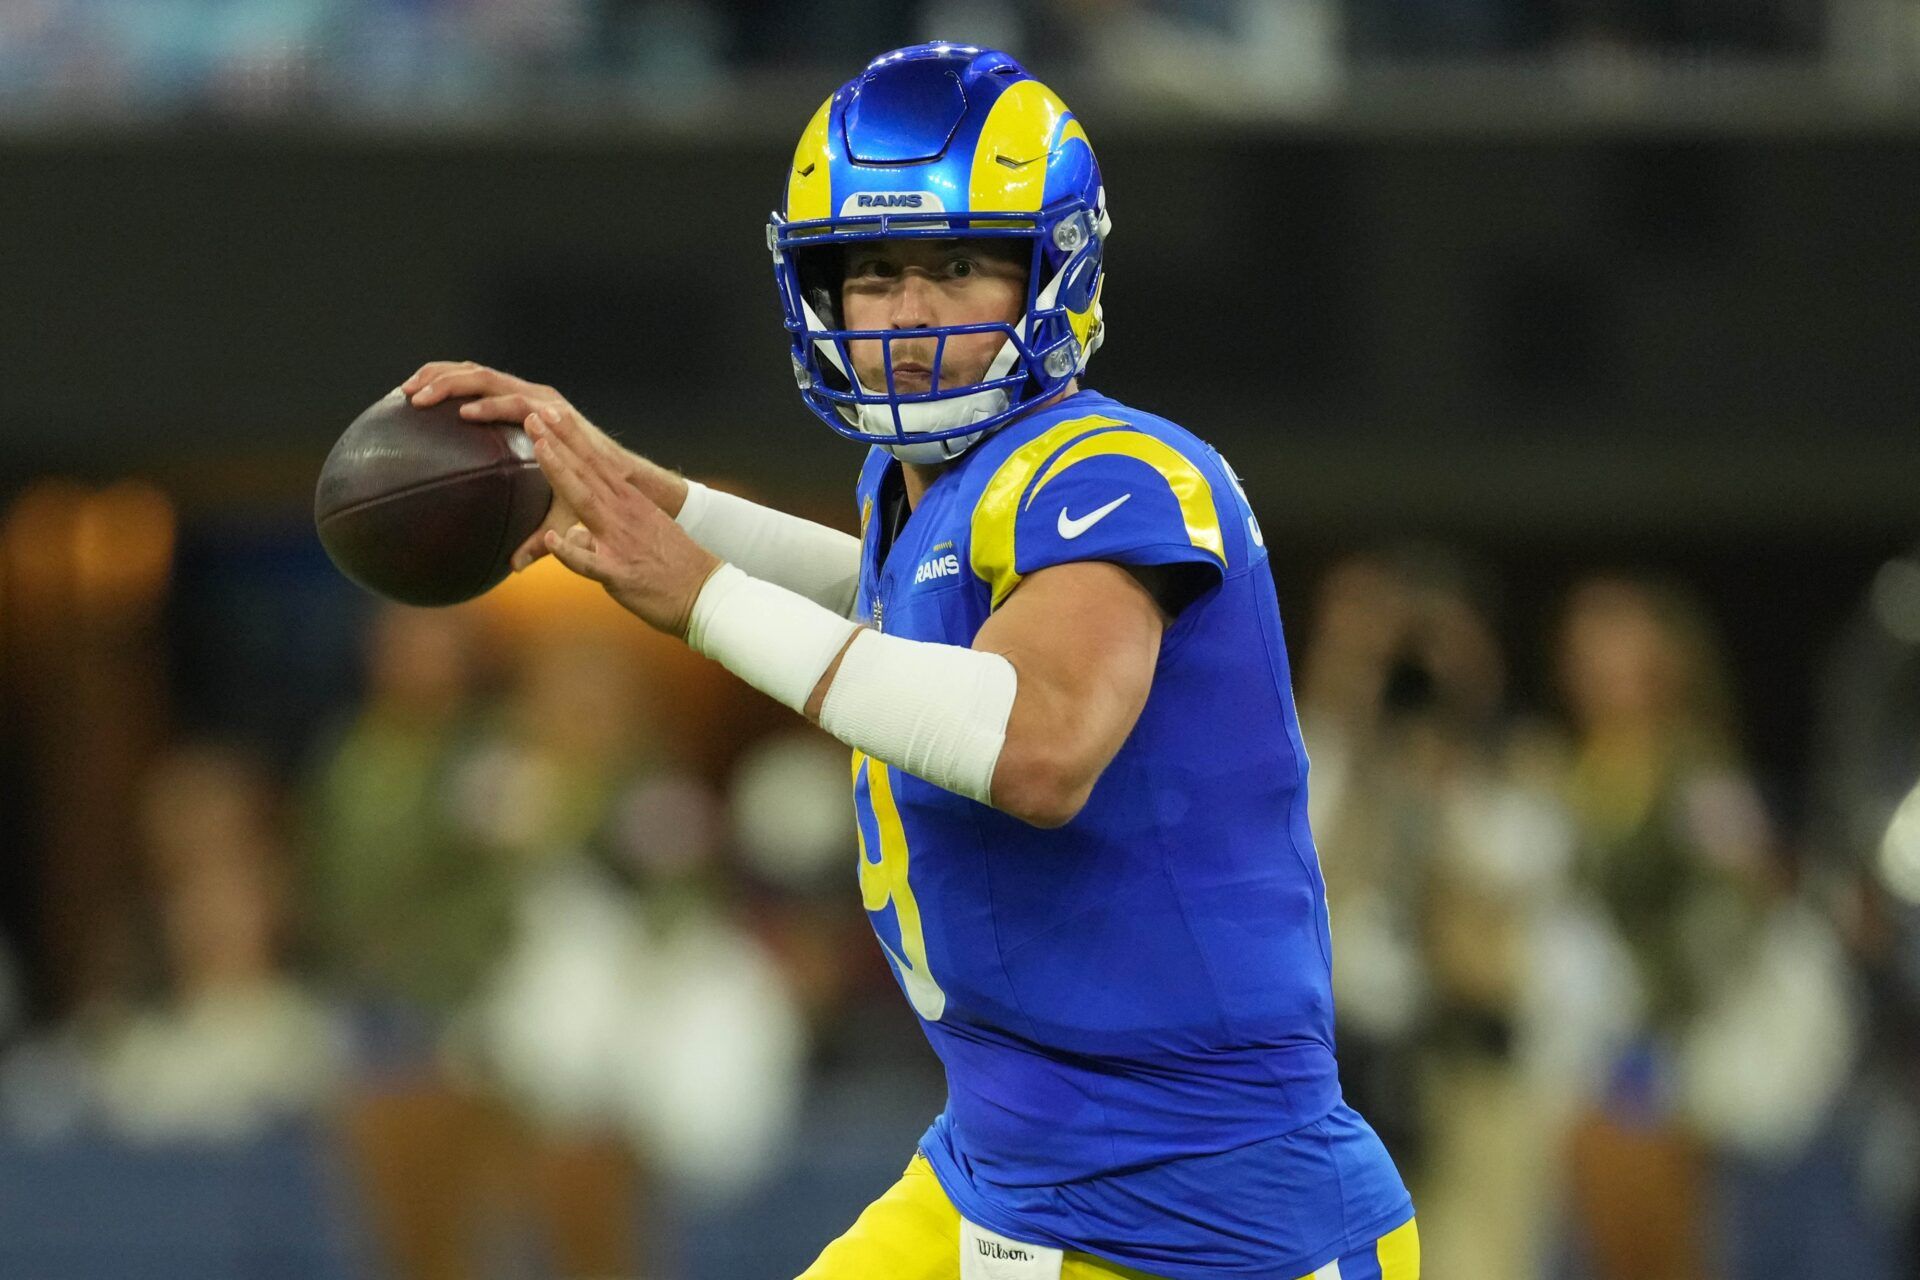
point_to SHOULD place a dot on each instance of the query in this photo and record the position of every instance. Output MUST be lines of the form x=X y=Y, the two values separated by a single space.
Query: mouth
x=912 y=375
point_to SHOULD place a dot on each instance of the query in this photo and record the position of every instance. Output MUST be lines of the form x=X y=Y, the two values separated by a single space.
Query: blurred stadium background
x=1567 y=348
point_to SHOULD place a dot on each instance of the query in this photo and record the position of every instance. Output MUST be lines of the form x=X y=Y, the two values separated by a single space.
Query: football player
x=1055 y=650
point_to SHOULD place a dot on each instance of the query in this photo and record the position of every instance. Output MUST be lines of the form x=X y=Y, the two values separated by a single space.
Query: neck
x=917 y=477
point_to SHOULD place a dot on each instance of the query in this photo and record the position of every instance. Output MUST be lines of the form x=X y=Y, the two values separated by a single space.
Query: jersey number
x=885 y=880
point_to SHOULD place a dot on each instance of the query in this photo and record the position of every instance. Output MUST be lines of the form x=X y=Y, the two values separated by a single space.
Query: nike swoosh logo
x=1072 y=528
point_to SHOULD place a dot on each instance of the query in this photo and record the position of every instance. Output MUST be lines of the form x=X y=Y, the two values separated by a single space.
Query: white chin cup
x=927 y=416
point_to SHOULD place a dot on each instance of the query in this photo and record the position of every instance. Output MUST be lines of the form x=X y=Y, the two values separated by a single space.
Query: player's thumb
x=559 y=519
x=530 y=550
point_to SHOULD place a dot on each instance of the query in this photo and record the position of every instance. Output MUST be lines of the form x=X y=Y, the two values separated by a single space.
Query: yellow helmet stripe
x=810 y=185
x=1082 y=322
x=1027 y=123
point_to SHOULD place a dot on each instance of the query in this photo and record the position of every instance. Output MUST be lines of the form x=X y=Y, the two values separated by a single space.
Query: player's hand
x=501 y=397
x=623 y=540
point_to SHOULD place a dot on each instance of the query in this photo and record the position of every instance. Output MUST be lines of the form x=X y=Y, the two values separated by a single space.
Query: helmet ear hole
x=823 y=303
x=819 y=272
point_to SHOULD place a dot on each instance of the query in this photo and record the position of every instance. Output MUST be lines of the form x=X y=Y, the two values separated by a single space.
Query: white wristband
x=938 y=711
x=777 y=641
x=821 y=564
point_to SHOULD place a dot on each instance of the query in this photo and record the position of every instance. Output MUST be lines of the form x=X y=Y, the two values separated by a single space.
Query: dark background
x=1634 y=346
x=1558 y=287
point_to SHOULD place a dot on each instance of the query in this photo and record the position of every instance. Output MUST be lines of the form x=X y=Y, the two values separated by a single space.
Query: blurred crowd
x=1616 y=1019
x=549 y=925
x=397 y=59
x=506 y=935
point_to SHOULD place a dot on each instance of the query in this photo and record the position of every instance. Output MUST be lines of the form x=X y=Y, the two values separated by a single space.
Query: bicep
x=1083 y=639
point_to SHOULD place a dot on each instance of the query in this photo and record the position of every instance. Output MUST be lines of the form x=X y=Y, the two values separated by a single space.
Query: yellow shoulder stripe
x=991 y=549
x=996 y=515
x=1190 y=488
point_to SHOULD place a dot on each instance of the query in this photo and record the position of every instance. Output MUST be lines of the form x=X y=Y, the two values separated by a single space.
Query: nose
x=913 y=301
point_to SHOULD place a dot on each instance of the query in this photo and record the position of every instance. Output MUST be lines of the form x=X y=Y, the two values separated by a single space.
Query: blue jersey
x=1134 y=1010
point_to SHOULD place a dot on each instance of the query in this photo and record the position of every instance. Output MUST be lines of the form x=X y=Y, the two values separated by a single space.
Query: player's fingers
x=475 y=381
x=456 y=382
x=595 y=438
x=563 y=472
x=562 y=436
x=512 y=407
x=582 y=560
x=553 y=407
x=529 y=551
x=597 y=455
x=431 y=370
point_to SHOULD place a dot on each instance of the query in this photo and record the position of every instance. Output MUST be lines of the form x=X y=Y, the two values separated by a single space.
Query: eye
x=960 y=268
x=871 y=268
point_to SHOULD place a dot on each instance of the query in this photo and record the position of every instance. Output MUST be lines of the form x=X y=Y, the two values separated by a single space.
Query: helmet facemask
x=1042 y=349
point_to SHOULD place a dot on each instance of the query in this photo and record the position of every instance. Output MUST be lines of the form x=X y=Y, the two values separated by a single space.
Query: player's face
x=915 y=284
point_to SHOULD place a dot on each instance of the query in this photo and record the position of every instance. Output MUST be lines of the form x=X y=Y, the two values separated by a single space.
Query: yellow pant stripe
x=912 y=1232
x=1399 y=1252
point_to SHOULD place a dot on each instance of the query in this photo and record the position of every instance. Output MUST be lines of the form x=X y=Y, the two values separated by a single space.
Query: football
x=424 y=507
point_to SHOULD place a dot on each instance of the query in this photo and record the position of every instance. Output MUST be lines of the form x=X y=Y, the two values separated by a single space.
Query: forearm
x=809 y=559
x=937 y=711
x=984 y=721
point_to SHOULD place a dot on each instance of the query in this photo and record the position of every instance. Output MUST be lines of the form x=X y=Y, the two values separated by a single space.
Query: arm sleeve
x=939 y=711
x=819 y=563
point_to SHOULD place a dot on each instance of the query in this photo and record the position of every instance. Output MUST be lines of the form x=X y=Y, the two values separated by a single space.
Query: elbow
x=1045 y=810
x=1041 y=790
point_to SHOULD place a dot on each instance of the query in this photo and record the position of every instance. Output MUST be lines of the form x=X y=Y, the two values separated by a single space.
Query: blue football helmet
x=941 y=141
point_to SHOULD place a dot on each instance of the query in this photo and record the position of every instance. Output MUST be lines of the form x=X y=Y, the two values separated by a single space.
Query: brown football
x=424 y=507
